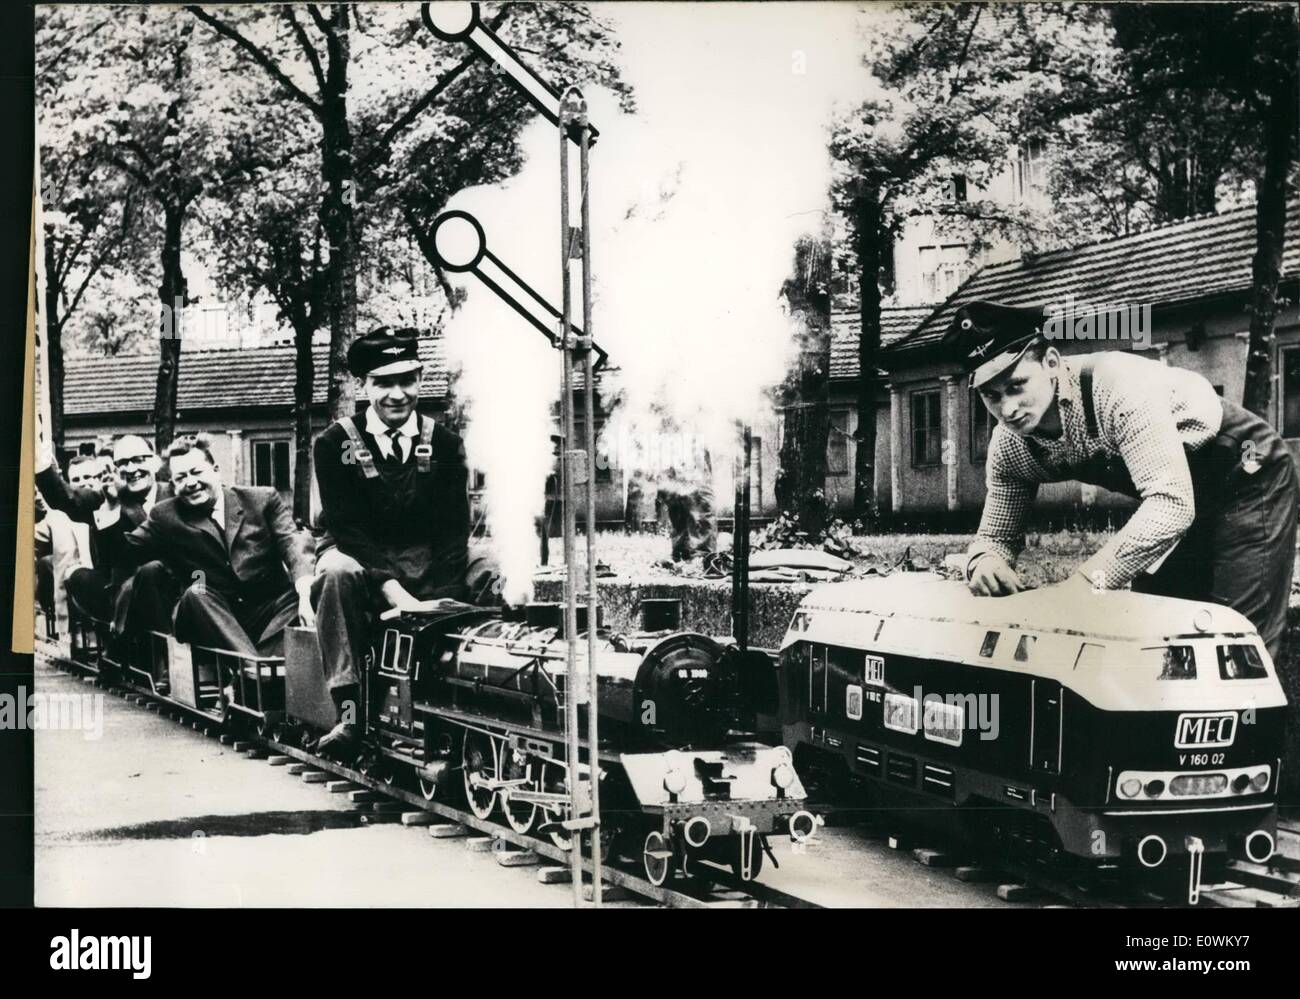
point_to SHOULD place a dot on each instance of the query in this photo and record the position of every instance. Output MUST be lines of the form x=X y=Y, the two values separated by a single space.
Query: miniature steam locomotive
x=466 y=704
x=465 y=700
x=1130 y=727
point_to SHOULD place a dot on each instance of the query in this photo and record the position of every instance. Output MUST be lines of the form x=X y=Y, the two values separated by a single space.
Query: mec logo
x=1205 y=730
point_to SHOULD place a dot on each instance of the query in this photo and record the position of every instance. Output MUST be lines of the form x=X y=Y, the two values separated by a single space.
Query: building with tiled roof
x=1194 y=277
x=846 y=325
x=243 y=398
x=100 y=388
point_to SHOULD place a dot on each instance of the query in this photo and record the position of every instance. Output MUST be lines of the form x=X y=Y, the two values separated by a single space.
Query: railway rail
x=712 y=887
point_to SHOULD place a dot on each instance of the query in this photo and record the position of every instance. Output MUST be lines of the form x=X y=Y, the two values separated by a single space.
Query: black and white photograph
x=665 y=456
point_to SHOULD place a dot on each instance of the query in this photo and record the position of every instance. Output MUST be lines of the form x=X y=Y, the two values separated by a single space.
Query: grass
x=1047 y=558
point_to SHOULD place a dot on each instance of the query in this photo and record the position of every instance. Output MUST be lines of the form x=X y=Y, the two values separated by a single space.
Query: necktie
x=398 y=444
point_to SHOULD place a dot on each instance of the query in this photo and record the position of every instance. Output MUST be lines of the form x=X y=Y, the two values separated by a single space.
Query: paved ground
x=154 y=814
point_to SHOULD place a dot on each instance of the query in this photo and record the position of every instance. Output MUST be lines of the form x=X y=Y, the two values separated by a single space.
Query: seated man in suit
x=245 y=570
x=395 y=512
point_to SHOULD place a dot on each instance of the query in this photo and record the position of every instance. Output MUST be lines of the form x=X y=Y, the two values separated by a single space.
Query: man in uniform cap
x=395 y=514
x=1217 y=485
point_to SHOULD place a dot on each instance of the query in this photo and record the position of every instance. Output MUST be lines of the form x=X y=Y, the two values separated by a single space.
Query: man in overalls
x=1218 y=486
x=395 y=515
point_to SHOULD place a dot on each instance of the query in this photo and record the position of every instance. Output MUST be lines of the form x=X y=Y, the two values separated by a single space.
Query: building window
x=271 y=464
x=943 y=269
x=837 y=445
x=1291 y=392
x=1030 y=170
x=926 y=431
x=957 y=187
x=981 y=427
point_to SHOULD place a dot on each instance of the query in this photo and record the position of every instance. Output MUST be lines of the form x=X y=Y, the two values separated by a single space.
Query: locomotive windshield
x=1241 y=662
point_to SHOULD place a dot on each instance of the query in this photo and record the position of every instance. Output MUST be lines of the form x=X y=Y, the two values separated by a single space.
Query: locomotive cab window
x=990 y=643
x=1177 y=662
x=1025 y=647
x=1241 y=662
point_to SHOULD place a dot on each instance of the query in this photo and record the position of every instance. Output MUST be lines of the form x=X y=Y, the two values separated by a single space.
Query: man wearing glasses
x=113 y=496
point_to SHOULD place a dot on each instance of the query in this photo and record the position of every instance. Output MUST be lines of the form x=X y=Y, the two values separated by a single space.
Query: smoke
x=697 y=201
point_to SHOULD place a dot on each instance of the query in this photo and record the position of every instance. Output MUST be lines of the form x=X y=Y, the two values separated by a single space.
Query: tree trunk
x=172 y=295
x=870 y=244
x=1266 y=266
x=303 y=385
x=801 y=483
x=53 y=348
x=339 y=218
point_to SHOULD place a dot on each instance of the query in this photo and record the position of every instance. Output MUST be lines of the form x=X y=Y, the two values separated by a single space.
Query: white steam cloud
x=696 y=203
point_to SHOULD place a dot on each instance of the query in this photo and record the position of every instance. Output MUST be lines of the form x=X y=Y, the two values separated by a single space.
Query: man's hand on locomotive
x=991 y=576
x=399 y=598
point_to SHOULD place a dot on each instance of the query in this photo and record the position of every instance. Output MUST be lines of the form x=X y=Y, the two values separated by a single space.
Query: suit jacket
x=113 y=557
x=255 y=558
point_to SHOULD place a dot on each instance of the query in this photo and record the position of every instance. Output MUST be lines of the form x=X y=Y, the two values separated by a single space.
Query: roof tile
x=1192 y=258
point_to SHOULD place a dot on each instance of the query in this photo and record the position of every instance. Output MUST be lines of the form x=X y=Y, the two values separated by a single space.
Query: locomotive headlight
x=1203 y=619
x=783 y=775
x=1198 y=785
x=674 y=781
x=1155 y=788
x=1259 y=781
x=1131 y=788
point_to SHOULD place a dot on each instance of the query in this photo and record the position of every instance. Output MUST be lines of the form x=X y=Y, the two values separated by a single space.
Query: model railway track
x=1275 y=884
x=712 y=888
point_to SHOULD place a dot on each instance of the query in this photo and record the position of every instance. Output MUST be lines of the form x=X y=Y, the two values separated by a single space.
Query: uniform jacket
x=405 y=524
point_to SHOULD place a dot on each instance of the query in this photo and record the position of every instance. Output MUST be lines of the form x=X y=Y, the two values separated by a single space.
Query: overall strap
x=424 y=450
x=359 y=449
x=1085 y=393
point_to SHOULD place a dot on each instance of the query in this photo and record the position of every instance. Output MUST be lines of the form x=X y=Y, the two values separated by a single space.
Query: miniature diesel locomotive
x=464 y=701
x=1131 y=727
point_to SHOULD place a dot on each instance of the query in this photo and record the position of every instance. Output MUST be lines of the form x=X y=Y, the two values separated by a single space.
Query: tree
x=133 y=99
x=1243 y=56
x=373 y=117
x=804 y=397
x=269 y=240
x=92 y=214
x=951 y=82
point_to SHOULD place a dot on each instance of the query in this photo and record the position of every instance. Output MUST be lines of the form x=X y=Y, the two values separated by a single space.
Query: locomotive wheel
x=520 y=815
x=656 y=867
x=479 y=756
